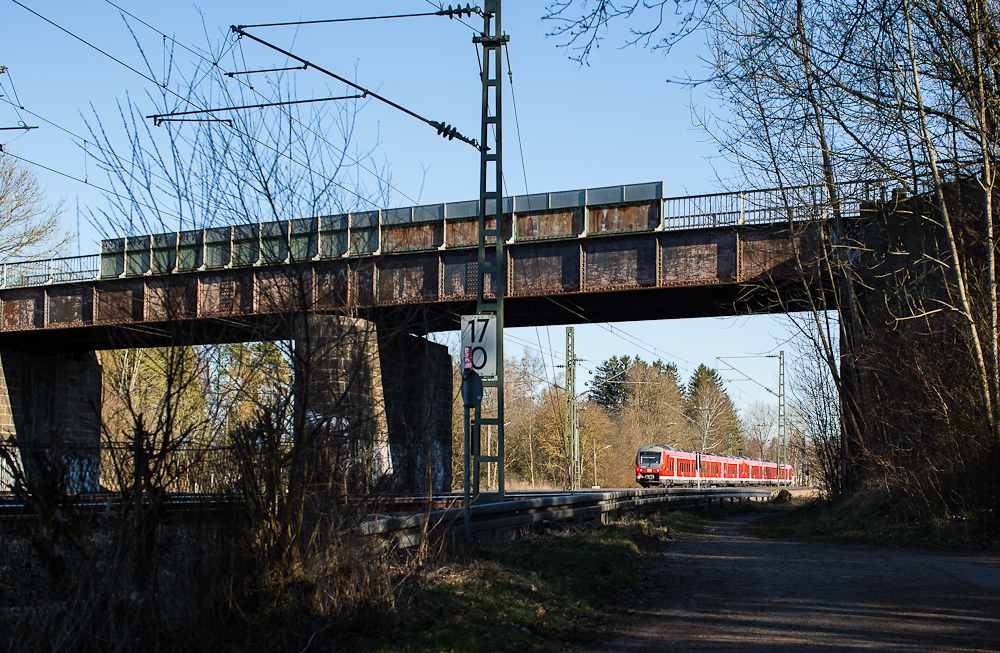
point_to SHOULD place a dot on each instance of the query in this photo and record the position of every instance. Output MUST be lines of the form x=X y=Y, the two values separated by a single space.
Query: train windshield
x=649 y=459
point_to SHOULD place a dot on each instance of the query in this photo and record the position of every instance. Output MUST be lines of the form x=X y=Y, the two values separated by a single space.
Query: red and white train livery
x=666 y=466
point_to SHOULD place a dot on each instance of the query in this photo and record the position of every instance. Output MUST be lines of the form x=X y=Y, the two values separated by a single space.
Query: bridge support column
x=50 y=403
x=383 y=399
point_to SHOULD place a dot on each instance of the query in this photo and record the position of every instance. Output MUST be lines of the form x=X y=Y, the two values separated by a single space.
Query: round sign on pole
x=472 y=389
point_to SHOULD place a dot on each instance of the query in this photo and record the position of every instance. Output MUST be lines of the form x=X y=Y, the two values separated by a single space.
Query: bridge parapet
x=583 y=242
x=542 y=216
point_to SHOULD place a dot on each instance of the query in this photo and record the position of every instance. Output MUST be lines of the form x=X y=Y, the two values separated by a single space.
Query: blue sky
x=617 y=121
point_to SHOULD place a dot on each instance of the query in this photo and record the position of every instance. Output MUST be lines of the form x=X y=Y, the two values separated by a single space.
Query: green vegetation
x=535 y=593
x=872 y=517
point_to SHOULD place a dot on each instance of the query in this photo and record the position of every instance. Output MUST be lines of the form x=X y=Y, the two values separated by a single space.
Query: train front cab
x=653 y=466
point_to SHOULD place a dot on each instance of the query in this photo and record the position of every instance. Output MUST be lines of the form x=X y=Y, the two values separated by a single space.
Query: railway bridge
x=604 y=254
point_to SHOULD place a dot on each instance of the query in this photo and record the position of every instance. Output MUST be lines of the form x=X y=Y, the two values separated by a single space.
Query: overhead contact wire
x=323 y=138
x=188 y=101
x=442 y=129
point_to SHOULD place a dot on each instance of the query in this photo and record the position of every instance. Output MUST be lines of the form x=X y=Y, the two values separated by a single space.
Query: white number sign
x=479 y=344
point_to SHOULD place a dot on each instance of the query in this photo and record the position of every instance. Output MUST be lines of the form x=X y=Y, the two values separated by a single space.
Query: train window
x=649 y=459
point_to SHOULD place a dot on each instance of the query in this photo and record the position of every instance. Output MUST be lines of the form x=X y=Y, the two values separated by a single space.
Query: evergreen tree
x=608 y=387
x=703 y=375
x=710 y=407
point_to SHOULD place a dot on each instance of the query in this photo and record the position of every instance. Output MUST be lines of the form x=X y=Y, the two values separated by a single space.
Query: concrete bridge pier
x=50 y=402
x=381 y=401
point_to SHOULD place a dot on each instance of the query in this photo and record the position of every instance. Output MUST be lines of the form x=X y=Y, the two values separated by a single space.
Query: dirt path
x=726 y=591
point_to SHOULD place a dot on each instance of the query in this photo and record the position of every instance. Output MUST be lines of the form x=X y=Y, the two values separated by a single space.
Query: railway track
x=405 y=519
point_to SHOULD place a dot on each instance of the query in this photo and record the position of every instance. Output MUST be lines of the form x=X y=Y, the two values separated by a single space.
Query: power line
x=449 y=12
x=264 y=70
x=307 y=127
x=159 y=118
x=17 y=106
x=441 y=4
x=183 y=99
x=103 y=190
x=442 y=128
x=172 y=40
x=188 y=101
x=748 y=377
x=103 y=151
x=91 y=45
x=633 y=340
x=530 y=346
x=517 y=124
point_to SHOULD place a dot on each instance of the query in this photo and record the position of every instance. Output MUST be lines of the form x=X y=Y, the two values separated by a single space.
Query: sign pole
x=492 y=262
x=472 y=397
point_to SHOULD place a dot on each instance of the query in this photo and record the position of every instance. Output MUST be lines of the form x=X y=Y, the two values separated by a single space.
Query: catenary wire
x=440 y=5
x=341 y=20
x=188 y=101
x=103 y=190
x=442 y=128
x=150 y=79
x=524 y=172
x=748 y=377
x=624 y=335
x=322 y=137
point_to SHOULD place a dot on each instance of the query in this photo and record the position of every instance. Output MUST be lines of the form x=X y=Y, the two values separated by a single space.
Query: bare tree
x=759 y=423
x=29 y=225
x=818 y=95
x=299 y=427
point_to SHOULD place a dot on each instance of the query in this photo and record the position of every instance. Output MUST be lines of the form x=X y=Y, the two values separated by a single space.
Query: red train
x=666 y=466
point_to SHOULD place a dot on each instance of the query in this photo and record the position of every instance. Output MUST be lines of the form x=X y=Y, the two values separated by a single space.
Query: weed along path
x=724 y=590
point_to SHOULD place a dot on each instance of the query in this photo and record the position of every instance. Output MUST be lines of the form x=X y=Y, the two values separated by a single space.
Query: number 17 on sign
x=479 y=344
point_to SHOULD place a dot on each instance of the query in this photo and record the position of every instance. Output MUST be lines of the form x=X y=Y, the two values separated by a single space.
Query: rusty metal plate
x=550 y=224
x=362 y=283
x=281 y=291
x=409 y=279
x=120 y=302
x=463 y=233
x=225 y=294
x=466 y=232
x=417 y=236
x=623 y=218
x=172 y=298
x=458 y=275
x=623 y=262
x=543 y=269
x=71 y=306
x=331 y=283
x=688 y=257
x=23 y=309
x=766 y=254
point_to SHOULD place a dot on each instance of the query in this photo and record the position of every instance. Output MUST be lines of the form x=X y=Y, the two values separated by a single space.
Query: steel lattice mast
x=491 y=262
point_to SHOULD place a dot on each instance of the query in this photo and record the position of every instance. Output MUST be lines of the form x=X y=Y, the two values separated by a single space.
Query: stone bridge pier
x=50 y=401
x=382 y=399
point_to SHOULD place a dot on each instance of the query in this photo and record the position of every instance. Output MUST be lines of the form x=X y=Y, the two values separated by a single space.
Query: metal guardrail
x=408 y=531
x=405 y=532
x=74 y=269
x=424 y=228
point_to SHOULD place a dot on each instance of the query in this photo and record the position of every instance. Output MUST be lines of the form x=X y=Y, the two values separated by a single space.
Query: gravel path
x=726 y=591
